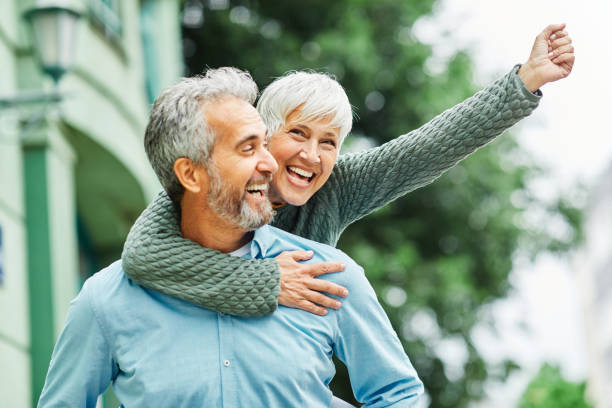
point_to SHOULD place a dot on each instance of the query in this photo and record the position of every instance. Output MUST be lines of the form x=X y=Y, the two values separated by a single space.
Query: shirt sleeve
x=81 y=366
x=381 y=373
x=366 y=181
x=158 y=257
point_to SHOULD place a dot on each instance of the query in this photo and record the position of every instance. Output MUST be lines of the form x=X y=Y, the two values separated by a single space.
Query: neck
x=275 y=198
x=202 y=225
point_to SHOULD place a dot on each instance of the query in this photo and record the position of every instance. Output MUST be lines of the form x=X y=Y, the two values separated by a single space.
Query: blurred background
x=496 y=277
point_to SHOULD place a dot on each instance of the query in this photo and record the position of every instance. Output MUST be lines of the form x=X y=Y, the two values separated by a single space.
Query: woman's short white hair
x=318 y=95
x=177 y=125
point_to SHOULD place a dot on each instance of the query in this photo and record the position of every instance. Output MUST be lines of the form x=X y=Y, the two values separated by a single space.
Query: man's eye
x=248 y=148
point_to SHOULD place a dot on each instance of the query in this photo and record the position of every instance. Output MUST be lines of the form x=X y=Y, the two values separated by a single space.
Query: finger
x=311 y=307
x=565 y=58
x=560 y=42
x=321 y=268
x=300 y=255
x=550 y=29
x=564 y=49
x=328 y=287
x=558 y=34
x=322 y=300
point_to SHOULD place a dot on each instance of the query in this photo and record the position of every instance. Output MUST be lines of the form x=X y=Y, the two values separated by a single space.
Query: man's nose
x=267 y=163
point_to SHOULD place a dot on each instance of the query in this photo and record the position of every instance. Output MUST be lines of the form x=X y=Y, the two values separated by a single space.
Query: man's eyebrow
x=245 y=139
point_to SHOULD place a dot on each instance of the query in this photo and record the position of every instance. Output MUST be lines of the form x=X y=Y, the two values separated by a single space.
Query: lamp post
x=54 y=27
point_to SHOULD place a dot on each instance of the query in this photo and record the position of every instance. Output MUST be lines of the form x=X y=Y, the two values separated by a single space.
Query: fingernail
x=552 y=37
x=345 y=292
x=337 y=304
x=342 y=265
x=550 y=54
x=324 y=312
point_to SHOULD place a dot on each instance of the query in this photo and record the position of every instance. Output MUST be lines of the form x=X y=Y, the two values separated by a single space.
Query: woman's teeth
x=300 y=172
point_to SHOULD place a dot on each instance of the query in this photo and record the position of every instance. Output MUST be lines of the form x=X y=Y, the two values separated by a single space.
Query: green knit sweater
x=156 y=255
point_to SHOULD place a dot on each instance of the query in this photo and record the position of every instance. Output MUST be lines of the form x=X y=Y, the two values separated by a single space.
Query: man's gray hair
x=318 y=95
x=177 y=125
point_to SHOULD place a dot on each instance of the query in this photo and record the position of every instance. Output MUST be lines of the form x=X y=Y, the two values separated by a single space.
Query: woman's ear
x=191 y=176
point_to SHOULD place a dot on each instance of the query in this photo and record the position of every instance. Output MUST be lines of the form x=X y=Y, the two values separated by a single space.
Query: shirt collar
x=262 y=241
x=242 y=251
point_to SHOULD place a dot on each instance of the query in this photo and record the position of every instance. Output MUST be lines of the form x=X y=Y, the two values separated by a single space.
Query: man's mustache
x=265 y=179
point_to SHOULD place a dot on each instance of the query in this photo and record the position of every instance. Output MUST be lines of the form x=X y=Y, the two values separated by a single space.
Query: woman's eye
x=329 y=143
x=297 y=132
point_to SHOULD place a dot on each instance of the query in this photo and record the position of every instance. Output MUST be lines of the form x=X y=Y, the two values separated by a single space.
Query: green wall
x=83 y=160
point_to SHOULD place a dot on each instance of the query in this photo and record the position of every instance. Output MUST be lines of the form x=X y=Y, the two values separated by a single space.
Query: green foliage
x=548 y=389
x=437 y=255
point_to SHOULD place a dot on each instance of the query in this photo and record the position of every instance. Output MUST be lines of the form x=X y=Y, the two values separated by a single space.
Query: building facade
x=594 y=269
x=73 y=174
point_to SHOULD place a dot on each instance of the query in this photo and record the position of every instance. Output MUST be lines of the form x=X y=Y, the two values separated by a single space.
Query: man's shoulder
x=106 y=283
x=274 y=241
x=110 y=275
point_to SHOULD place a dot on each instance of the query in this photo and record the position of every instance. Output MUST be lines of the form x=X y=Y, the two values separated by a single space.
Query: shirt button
x=226 y=363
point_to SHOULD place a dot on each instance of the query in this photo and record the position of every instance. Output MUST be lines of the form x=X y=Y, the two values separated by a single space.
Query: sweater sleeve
x=368 y=180
x=156 y=256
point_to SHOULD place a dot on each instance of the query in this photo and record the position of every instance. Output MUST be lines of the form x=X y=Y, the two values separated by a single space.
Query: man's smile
x=258 y=190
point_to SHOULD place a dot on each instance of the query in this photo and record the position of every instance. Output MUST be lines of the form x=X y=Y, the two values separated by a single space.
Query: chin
x=296 y=199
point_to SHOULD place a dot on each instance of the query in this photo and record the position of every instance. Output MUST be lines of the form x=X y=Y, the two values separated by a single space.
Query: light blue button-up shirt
x=159 y=351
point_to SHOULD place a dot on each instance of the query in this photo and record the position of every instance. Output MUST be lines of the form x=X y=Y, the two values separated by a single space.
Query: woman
x=308 y=116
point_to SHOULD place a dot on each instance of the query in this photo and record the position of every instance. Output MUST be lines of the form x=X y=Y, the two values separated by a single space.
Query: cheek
x=329 y=161
x=284 y=148
x=240 y=170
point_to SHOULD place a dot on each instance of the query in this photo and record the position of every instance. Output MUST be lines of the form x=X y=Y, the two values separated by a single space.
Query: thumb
x=550 y=29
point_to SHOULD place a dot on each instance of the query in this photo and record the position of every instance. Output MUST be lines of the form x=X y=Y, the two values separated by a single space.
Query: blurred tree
x=548 y=389
x=440 y=253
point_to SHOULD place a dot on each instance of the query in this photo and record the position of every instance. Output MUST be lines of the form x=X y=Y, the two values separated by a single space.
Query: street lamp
x=54 y=27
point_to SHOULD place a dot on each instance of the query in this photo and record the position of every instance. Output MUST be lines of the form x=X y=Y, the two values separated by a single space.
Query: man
x=207 y=144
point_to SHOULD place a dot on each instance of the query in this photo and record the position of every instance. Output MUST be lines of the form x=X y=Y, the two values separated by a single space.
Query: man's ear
x=190 y=175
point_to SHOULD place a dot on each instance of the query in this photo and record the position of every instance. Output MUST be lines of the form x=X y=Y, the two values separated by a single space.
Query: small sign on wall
x=1 y=259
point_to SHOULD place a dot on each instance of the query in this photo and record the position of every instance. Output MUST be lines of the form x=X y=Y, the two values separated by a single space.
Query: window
x=105 y=14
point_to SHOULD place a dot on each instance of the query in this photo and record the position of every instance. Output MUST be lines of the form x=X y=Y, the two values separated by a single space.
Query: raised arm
x=371 y=179
x=368 y=180
x=156 y=255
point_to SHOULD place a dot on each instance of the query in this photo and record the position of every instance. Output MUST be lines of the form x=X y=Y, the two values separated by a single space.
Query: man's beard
x=230 y=203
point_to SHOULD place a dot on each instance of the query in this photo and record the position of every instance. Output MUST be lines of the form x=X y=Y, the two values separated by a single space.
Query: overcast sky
x=569 y=133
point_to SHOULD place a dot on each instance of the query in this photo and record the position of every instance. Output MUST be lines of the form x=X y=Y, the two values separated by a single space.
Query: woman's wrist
x=530 y=77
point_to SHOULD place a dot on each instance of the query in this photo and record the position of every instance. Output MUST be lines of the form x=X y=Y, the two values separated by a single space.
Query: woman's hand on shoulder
x=552 y=58
x=300 y=287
